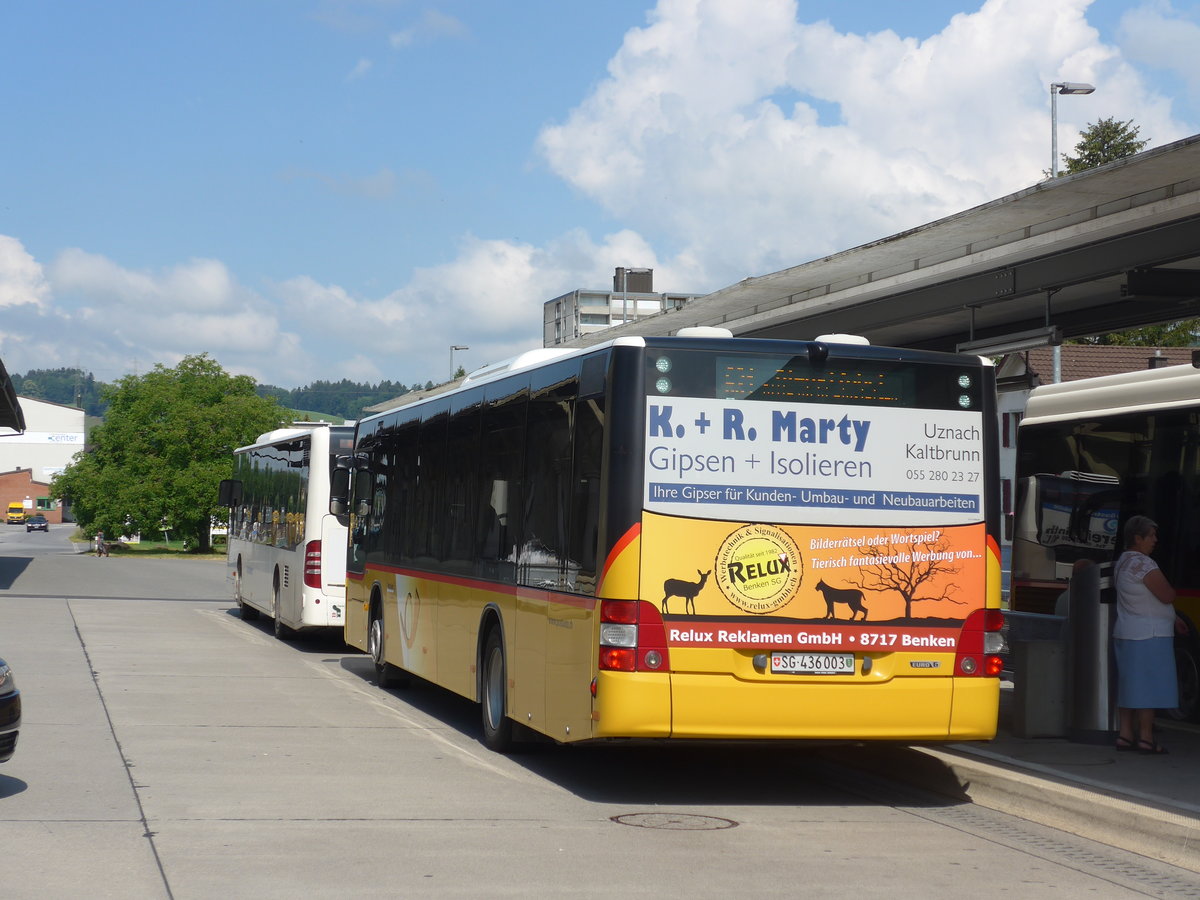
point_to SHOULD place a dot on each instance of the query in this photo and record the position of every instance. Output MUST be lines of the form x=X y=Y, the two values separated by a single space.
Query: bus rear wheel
x=1187 y=669
x=497 y=727
x=282 y=632
x=386 y=675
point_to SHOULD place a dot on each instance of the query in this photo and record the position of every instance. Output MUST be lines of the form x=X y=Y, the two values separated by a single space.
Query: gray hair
x=1139 y=526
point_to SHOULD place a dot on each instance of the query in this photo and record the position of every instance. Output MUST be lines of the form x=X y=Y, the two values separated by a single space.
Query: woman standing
x=1143 y=639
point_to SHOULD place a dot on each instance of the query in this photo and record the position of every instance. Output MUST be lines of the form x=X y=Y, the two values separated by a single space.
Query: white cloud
x=431 y=26
x=1160 y=36
x=201 y=284
x=22 y=281
x=689 y=141
x=112 y=320
x=361 y=68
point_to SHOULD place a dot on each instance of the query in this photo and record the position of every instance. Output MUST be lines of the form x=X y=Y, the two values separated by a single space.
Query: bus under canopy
x=693 y=537
x=1091 y=454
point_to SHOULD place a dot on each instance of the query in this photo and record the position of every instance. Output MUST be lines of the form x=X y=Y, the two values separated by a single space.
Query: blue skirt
x=1146 y=676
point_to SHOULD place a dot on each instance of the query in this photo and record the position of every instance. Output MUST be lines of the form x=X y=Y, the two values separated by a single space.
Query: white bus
x=287 y=554
x=1090 y=454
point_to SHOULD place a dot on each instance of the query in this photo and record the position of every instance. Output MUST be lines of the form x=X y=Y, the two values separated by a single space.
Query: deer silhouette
x=675 y=587
x=852 y=598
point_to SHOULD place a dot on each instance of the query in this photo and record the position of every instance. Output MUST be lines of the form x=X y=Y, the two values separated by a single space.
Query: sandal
x=1151 y=748
x=1124 y=745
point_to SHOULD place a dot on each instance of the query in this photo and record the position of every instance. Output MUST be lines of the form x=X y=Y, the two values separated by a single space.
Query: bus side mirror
x=230 y=492
x=339 y=490
x=364 y=482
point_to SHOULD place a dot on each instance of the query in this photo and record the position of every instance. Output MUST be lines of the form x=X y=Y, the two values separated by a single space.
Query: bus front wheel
x=497 y=727
x=248 y=613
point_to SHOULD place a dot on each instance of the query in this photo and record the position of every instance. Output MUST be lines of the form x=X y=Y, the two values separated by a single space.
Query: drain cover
x=674 y=821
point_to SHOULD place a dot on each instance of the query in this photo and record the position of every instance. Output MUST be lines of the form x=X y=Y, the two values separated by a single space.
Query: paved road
x=171 y=750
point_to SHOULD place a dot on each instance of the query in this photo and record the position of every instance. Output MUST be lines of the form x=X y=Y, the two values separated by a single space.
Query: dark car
x=10 y=712
x=37 y=523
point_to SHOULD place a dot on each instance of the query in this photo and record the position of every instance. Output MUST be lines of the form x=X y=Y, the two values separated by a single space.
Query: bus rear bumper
x=726 y=708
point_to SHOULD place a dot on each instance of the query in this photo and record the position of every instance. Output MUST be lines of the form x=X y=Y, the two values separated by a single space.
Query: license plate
x=813 y=663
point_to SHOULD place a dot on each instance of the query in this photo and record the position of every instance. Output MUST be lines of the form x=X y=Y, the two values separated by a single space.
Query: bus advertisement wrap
x=797 y=462
x=806 y=587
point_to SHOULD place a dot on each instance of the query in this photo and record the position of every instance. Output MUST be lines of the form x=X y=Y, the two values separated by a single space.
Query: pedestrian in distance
x=101 y=545
x=1143 y=639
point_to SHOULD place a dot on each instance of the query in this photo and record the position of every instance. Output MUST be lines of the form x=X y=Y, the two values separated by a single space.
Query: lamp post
x=1061 y=87
x=1056 y=88
x=454 y=347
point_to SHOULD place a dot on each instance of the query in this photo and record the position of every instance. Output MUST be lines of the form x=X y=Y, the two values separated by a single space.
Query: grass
x=154 y=549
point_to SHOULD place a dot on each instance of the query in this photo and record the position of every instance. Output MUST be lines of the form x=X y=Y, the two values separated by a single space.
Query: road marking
x=375 y=696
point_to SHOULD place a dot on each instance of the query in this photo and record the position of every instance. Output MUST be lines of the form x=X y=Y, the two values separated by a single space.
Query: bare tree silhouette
x=908 y=568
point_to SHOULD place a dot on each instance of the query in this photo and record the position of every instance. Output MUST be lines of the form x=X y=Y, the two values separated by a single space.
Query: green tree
x=1104 y=142
x=166 y=443
x=1172 y=334
x=70 y=387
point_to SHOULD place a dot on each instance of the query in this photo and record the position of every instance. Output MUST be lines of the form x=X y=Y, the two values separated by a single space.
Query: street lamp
x=1056 y=88
x=1061 y=87
x=454 y=347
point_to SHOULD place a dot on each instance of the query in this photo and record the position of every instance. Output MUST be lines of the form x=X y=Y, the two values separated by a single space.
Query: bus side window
x=462 y=490
x=544 y=560
x=429 y=509
x=585 y=502
x=500 y=502
x=404 y=454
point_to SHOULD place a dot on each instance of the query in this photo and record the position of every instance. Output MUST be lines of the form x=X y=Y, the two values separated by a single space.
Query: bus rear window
x=795 y=379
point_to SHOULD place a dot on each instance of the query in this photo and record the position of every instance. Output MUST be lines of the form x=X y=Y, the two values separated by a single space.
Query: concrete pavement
x=1146 y=804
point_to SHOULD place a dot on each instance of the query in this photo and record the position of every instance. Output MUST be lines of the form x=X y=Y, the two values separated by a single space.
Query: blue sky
x=315 y=189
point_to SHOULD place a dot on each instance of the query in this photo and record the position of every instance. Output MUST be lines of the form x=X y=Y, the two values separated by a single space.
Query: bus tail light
x=980 y=644
x=632 y=637
x=312 y=564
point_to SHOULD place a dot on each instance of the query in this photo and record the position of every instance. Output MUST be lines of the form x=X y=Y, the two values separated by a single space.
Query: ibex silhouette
x=675 y=587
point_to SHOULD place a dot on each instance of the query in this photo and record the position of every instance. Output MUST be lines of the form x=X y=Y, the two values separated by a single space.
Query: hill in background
x=332 y=401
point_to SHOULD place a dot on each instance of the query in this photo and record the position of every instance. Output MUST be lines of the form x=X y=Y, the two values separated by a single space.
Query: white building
x=53 y=435
x=583 y=312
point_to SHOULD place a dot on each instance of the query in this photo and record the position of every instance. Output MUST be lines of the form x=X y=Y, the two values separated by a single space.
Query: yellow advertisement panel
x=729 y=584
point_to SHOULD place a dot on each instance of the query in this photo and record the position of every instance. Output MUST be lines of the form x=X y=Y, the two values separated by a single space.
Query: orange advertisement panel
x=728 y=584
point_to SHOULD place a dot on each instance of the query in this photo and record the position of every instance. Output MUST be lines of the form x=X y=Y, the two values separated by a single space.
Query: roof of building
x=68 y=406
x=1088 y=361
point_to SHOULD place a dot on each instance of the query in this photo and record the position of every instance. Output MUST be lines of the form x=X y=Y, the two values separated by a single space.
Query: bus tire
x=282 y=632
x=1187 y=668
x=497 y=727
x=386 y=675
x=248 y=612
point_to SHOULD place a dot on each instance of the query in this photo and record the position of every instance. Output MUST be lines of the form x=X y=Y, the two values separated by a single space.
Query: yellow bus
x=689 y=537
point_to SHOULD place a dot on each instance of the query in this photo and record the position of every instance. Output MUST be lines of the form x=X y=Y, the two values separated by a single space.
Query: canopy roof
x=10 y=409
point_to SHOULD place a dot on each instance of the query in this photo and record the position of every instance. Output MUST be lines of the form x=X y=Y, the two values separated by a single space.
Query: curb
x=1035 y=793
